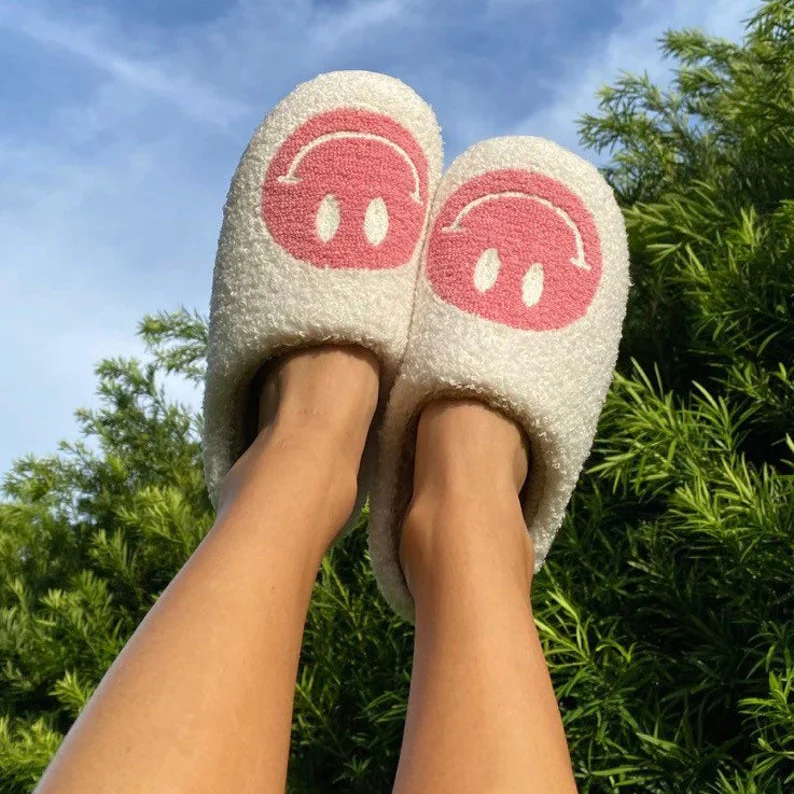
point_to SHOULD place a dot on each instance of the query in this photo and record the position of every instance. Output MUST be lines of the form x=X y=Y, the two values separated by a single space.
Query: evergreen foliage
x=666 y=605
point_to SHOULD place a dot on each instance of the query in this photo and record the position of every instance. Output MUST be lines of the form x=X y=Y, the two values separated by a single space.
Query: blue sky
x=123 y=121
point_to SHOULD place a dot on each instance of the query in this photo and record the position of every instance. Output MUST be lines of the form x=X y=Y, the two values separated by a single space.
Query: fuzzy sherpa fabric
x=322 y=229
x=520 y=302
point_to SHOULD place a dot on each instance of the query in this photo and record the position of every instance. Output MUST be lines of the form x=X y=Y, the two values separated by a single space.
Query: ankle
x=446 y=541
x=326 y=475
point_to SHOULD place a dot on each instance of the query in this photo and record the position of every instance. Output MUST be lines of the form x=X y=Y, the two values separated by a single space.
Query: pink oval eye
x=347 y=189
x=518 y=248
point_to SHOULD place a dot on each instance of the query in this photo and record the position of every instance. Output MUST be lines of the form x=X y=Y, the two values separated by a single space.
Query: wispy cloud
x=100 y=47
x=331 y=27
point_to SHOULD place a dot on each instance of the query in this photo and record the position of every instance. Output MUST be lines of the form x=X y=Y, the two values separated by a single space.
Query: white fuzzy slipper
x=320 y=243
x=520 y=302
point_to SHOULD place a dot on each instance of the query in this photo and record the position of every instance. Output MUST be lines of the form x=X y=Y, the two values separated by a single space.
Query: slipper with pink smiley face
x=520 y=302
x=322 y=230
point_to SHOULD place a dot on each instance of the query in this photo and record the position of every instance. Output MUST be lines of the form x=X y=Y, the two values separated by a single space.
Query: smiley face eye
x=486 y=271
x=532 y=285
x=376 y=221
x=328 y=216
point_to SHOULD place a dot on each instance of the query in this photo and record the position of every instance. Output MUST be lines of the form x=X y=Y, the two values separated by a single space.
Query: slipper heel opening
x=251 y=409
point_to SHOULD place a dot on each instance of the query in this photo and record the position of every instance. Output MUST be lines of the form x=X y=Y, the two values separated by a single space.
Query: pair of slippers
x=505 y=280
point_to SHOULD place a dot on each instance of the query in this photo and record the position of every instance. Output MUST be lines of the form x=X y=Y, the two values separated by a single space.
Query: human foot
x=470 y=465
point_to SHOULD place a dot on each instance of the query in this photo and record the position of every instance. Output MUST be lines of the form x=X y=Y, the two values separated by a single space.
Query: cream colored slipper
x=520 y=302
x=320 y=243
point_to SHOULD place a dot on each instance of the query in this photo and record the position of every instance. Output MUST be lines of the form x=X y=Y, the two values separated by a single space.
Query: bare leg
x=482 y=715
x=200 y=699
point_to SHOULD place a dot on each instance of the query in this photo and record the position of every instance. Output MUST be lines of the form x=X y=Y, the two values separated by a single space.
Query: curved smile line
x=577 y=261
x=290 y=177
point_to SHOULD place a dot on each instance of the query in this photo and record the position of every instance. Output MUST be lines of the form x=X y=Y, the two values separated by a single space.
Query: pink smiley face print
x=518 y=248
x=347 y=189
